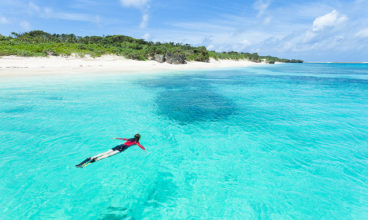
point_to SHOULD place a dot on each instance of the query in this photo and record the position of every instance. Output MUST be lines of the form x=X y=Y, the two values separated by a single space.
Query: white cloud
x=210 y=47
x=362 y=33
x=46 y=12
x=3 y=20
x=261 y=6
x=25 y=25
x=289 y=36
x=146 y=36
x=33 y=7
x=83 y=4
x=308 y=36
x=50 y=13
x=203 y=26
x=144 y=21
x=135 y=3
x=245 y=43
x=143 y=5
x=267 y=20
x=234 y=41
x=331 y=19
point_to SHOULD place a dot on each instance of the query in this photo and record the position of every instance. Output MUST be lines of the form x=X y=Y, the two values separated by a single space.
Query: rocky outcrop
x=159 y=58
x=170 y=58
x=50 y=53
x=266 y=61
x=174 y=58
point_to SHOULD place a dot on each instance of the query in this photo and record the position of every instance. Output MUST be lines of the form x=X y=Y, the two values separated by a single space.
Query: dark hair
x=137 y=137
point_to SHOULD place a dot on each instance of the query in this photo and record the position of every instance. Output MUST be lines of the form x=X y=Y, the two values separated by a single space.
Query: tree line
x=40 y=43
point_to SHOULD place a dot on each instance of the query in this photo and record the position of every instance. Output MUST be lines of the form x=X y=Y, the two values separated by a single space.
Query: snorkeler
x=120 y=148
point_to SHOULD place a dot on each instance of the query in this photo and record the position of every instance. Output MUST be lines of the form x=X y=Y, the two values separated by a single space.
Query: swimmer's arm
x=121 y=139
x=141 y=146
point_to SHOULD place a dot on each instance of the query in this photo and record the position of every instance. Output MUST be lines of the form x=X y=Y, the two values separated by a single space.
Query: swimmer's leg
x=92 y=159
x=83 y=162
x=101 y=154
x=105 y=155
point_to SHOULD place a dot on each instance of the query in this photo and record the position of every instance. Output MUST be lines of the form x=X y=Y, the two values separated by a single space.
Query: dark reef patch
x=190 y=99
x=188 y=106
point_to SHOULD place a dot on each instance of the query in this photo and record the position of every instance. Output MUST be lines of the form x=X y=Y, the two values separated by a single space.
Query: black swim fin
x=83 y=162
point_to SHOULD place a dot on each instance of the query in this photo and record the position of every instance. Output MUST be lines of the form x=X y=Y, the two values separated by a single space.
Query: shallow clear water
x=285 y=141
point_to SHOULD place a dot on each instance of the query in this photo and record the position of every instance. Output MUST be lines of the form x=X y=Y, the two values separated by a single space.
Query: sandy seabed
x=17 y=66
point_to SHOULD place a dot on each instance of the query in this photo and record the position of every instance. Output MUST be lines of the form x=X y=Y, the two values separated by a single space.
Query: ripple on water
x=54 y=98
x=113 y=216
x=18 y=109
x=289 y=148
x=162 y=191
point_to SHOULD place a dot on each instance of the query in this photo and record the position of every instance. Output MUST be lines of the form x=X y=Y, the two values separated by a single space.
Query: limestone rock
x=174 y=58
x=159 y=58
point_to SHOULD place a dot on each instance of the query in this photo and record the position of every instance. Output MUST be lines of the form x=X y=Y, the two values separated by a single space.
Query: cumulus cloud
x=310 y=31
x=144 y=21
x=362 y=33
x=135 y=3
x=143 y=5
x=331 y=19
x=261 y=6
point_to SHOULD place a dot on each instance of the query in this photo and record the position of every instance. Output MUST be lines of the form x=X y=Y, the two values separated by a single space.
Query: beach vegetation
x=40 y=43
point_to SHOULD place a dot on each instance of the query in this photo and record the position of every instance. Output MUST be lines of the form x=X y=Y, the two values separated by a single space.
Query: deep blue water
x=286 y=141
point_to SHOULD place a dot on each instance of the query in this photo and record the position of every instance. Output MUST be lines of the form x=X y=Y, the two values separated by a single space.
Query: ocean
x=285 y=141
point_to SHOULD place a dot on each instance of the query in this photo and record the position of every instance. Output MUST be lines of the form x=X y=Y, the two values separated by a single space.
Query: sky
x=323 y=31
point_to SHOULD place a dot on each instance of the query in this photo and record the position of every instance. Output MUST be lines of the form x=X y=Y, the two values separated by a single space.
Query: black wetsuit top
x=121 y=147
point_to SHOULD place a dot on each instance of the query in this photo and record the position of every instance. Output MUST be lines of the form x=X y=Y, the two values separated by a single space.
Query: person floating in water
x=120 y=148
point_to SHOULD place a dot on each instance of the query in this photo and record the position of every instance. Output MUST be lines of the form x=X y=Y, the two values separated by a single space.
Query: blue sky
x=325 y=30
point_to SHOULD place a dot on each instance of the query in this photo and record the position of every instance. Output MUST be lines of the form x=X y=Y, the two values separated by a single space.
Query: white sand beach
x=17 y=66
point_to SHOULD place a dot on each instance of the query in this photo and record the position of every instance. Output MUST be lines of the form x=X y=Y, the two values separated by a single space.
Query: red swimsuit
x=129 y=142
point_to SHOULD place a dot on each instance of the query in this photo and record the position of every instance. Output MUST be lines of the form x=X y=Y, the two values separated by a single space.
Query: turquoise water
x=285 y=141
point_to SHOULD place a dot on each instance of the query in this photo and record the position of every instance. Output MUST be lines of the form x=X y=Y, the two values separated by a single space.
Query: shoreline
x=72 y=65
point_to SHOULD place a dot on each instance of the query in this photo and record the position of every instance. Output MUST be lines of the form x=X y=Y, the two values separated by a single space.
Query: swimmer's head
x=137 y=137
